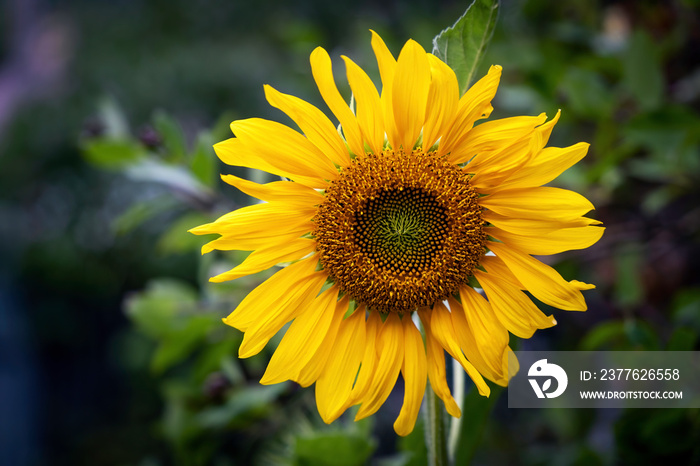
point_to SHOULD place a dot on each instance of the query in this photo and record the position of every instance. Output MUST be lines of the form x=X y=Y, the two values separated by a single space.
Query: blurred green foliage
x=102 y=175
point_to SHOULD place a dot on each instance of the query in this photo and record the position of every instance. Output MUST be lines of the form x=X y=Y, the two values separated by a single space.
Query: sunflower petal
x=277 y=191
x=409 y=93
x=267 y=296
x=335 y=384
x=473 y=105
x=317 y=361
x=302 y=339
x=513 y=308
x=541 y=280
x=437 y=373
x=444 y=331
x=369 y=358
x=563 y=239
x=415 y=373
x=234 y=152
x=313 y=122
x=490 y=336
x=443 y=99
x=283 y=147
x=387 y=68
x=322 y=70
x=543 y=202
x=369 y=107
x=270 y=321
x=390 y=348
x=548 y=164
x=265 y=258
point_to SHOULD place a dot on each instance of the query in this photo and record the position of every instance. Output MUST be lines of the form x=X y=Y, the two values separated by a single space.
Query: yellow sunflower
x=395 y=221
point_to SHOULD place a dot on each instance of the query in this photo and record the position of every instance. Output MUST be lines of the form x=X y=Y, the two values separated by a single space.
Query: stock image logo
x=543 y=371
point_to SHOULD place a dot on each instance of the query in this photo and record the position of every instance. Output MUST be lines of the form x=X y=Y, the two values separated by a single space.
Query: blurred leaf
x=628 y=284
x=171 y=135
x=180 y=342
x=682 y=339
x=463 y=45
x=415 y=451
x=620 y=335
x=140 y=212
x=175 y=177
x=112 y=154
x=587 y=94
x=642 y=71
x=249 y=400
x=113 y=120
x=176 y=238
x=203 y=164
x=476 y=412
x=686 y=308
x=332 y=449
x=155 y=310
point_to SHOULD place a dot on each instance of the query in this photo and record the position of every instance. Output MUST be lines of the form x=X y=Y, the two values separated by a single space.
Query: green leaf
x=203 y=164
x=172 y=136
x=643 y=77
x=112 y=154
x=463 y=45
x=476 y=411
x=332 y=449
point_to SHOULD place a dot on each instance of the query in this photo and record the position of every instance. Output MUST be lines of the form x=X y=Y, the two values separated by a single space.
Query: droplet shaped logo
x=541 y=369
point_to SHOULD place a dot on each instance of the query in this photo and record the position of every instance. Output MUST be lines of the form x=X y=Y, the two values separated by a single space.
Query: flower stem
x=435 y=429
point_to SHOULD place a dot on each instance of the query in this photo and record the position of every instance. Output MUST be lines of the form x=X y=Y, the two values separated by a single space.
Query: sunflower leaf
x=463 y=45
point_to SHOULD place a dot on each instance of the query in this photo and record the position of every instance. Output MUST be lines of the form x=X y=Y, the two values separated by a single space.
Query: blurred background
x=112 y=351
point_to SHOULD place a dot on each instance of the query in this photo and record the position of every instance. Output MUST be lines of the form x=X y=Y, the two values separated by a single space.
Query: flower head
x=395 y=219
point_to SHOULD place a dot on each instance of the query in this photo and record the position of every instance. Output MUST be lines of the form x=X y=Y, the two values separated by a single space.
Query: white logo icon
x=543 y=369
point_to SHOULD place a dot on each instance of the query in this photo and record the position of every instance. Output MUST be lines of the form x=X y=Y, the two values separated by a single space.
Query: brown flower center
x=400 y=231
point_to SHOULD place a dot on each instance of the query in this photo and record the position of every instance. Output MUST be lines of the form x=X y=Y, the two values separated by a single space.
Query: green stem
x=435 y=429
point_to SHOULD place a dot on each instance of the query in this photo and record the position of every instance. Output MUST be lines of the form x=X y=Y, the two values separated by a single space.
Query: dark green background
x=111 y=348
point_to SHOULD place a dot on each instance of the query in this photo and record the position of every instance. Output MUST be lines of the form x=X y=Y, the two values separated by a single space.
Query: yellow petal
x=269 y=295
x=283 y=147
x=443 y=99
x=409 y=93
x=387 y=68
x=443 y=329
x=334 y=385
x=548 y=164
x=390 y=349
x=317 y=363
x=467 y=342
x=490 y=143
x=473 y=105
x=415 y=373
x=513 y=308
x=490 y=336
x=314 y=123
x=541 y=280
x=543 y=202
x=385 y=60
x=322 y=69
x=234 y=152
x=564 y=239
x=303 y=338
x=369 y=109
x=437 y=373
x=265 y=258
x=534 y=227
x=369 y=358
x=269 y=321
x=277 y=191
x=256 y=226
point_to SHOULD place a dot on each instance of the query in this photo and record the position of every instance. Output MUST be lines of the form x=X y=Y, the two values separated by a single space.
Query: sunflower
x=395 y=220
